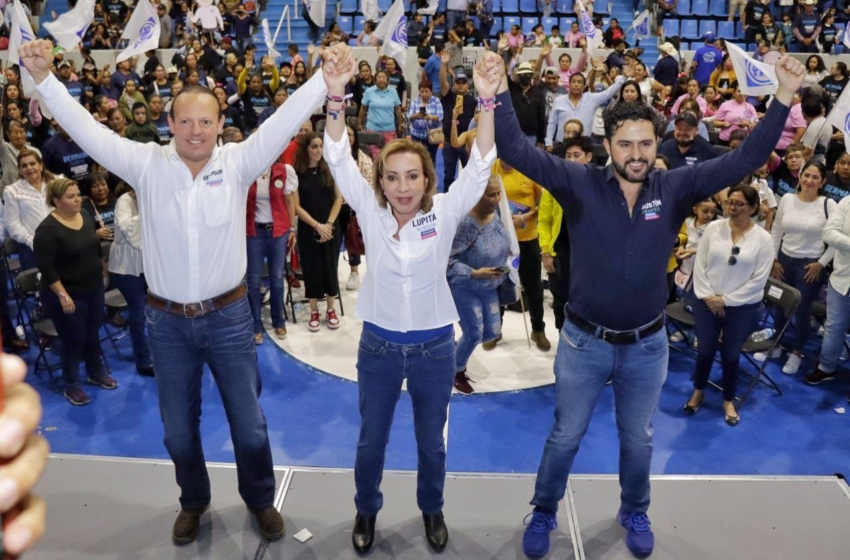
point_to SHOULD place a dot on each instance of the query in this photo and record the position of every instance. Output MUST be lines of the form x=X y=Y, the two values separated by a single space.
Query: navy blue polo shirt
x=618 y=262
x=701 y=150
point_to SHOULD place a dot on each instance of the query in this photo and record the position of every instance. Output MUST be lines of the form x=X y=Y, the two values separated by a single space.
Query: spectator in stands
x=667 y=70
x=116 y=121
x=17 y=134
x=565 y=63
x=242 y=23
x=686 y=147
x=255 y=99
x=232 y=116
x=367 y=37
x=785 y=177
x=396 y=80
x=613 y=33
x=712 y=100
x=723 y=77
x=815 y=71
x=191 y=63
x=426 y=114
x=752 y=19
x=731 y=269
x=317 y=203
x=524 y=200
x=837 y=185
x=807 y=28
x=363 y=81
x=476 y=271
x=692 y=93
x=62 y=155
x=530 y=103
x=828 y=37
x=129 y=97
x=415 y=27
x=474 y=37
x=835 y=83
x=26 y=204
x=68 y=255
x=456 y=95
x=688 y=106
x=101 y=204
x=159 y=118
x=615 y=58
x=437 y=28
x=647 y=84
x=577 y=105
x=667 y=8
x=142 y=130
x=769 y=31
x=122 y=74
x=706 y=59
x=101 y=39
x=801 y=254
x=836 y=234
x=485 y=17
x=734 y=114
x=573 y=38
x=818 y=133
x=456 y=12
x=795 y=127
x=380 y=111
x=279 y=98
x=13 y=93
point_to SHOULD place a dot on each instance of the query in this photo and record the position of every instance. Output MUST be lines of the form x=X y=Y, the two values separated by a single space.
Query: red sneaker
x=333 y=320
x=315 y=323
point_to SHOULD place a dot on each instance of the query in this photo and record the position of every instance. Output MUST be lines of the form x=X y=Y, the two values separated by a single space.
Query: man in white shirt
x=192 y=199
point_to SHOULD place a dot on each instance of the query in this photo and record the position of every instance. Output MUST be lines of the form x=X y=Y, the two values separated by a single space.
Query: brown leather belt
x=192 y=310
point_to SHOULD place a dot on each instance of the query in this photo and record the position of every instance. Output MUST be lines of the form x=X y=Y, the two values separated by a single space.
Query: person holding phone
x=426 y=114
x=476 y=270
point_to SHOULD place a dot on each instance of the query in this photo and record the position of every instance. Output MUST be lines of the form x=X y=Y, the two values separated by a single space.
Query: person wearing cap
x=457 y=93
x=686 y=147
x=166 y=26
x=622 y=222
x=75 y=88
x=706 y=59
x=753 y=12
x=807 y=28
x=531 y=105
x=123 y=73
x=667 y=70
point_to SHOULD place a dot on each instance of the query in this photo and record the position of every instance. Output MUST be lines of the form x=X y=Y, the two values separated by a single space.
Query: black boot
x=364 y=533
x=436 y=531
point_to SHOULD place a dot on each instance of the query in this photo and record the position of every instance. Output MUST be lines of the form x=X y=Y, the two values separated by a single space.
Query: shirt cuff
x=337 y=153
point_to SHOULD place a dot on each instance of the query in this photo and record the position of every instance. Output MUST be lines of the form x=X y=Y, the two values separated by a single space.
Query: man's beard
x=685 y=143
x=624 y=172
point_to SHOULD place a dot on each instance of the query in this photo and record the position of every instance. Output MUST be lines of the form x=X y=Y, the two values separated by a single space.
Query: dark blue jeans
x=260 y=248
x=26 y=256
x=450 y=158
x=432 y=148
x=737 y=325
x=134 y=290
x=430 y=371
x=78 y=332
x=224 y=340
x=794 y=271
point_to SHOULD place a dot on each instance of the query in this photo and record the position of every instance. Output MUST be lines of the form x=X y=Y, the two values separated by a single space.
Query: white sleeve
x=702 y=287
x=471 y=183
x=128 y=222
x=291 y=180
x=755 y=285
x=776 y=230
x=829 y=253
x=256 y=154
x=12 y=219
x=123 y=157
x=352 y=186
x=833 y=232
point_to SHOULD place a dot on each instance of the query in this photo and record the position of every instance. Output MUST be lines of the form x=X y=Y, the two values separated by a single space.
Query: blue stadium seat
x=699 y=7
x=566 y=23
x=497 y=26
x=385 y=5
x=726 y=29
x=719 y=9
x=684 y=8
x=689 y=29
x=510 y=21
x=707 y=26
x=358 y=25
x=528 y=6
x=671 y=27
x=548 y=22
x=349 y=7
x=497 y=6
x=601 y=8
x=346 y=23
x=442 y=6
x=510 y=6
x=528 y=24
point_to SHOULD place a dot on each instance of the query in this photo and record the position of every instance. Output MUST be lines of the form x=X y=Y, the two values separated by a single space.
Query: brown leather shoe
x=462 y=383
x=187 y=525
x=540 y=339
x=269 y=522
x=490 y=344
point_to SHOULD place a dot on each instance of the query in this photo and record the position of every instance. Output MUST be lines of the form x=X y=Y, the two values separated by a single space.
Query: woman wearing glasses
x=733 y=262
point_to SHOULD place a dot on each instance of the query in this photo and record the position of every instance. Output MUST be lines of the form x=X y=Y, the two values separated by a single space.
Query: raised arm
x=125 y=158
x=128 y=221
x=833 y=231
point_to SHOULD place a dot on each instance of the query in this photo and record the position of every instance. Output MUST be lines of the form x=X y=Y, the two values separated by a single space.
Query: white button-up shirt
x=193 y=229
x=405 y=287
x=837 y=234
x=125 y=256
x=25 y=209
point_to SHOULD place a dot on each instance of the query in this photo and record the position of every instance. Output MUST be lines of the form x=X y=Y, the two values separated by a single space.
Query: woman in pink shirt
x=573 y=37
x=734 y=114
x=795 y=127
x=693 y=93
x=565 y=63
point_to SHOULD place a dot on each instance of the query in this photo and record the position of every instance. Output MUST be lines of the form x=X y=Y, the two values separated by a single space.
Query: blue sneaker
x=639 y=539
x=535 y=541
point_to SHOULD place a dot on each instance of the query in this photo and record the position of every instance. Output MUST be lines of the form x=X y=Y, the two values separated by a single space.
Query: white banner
x=393 y=32
x=70 y=27
x=592 y=34
x=370 y=9
x=142 y=31
x=21 y=32
x=316 y=9
x=754 y=77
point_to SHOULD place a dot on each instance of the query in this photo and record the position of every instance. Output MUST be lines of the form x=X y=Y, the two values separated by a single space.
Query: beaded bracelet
x=335 y=113
x=488 y=103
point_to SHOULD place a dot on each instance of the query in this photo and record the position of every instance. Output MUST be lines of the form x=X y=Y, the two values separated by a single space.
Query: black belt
x=615 y=337
x=269 y=227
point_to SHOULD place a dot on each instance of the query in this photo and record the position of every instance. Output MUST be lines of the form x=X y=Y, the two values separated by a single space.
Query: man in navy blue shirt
x=686 y=147
x=807 y=28
x=75 y=88
x=623 y=222
x=667 y=70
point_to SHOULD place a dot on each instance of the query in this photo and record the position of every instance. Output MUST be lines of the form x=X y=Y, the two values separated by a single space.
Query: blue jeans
x=454 y=17
x=480 y=320
x=450 y=158
x=737 y=325
x=26 y=256
x=264 y=246
x=134 y=290
x=225 y=341
x=430 y=371
x=78 y=332
x=834 y=330
x=793 y=276
x=582 y=366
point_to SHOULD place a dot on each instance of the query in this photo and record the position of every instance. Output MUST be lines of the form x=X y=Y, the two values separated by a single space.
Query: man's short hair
x=195 y=89
x=739 y=135
x=139 y=105
x=619 y=113
x=583 y=142
x=811 y=108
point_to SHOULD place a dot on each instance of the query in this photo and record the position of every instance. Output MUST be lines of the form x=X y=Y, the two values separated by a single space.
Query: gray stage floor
x=102 y=508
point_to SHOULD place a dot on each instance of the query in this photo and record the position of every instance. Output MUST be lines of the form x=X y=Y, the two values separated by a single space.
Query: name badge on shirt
x=214 y=178
x=426 y=225
x=651 y=210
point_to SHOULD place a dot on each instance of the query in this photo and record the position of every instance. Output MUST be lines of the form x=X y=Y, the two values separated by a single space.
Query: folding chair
x=26 y=289
x=13 y=265
x=679 y=317
x=787 y=299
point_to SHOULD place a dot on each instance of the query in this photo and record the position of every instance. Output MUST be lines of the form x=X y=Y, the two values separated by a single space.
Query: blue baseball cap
x=708 y=37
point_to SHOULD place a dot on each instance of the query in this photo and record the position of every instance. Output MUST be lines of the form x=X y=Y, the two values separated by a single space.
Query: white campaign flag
x=754 y=77
x=142 y=31
x=592 y=34
x=641 y=25
x=70 y=28
x=513 y=254
x=267 y=39
x=20 y=33
x=839 y=117
x=316 y=9
x=430 y=9
x=393 y=32
x=370 y=9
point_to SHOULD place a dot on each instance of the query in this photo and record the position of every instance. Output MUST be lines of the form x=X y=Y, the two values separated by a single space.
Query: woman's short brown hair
x=57 y=188
x=404 y=146
x=46 y=175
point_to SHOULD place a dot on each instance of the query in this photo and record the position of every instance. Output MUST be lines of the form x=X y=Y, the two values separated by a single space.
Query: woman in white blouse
x=732 y=266
x=405 y=301
x=26 y=204
x=128 y=275
x=800 y=252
